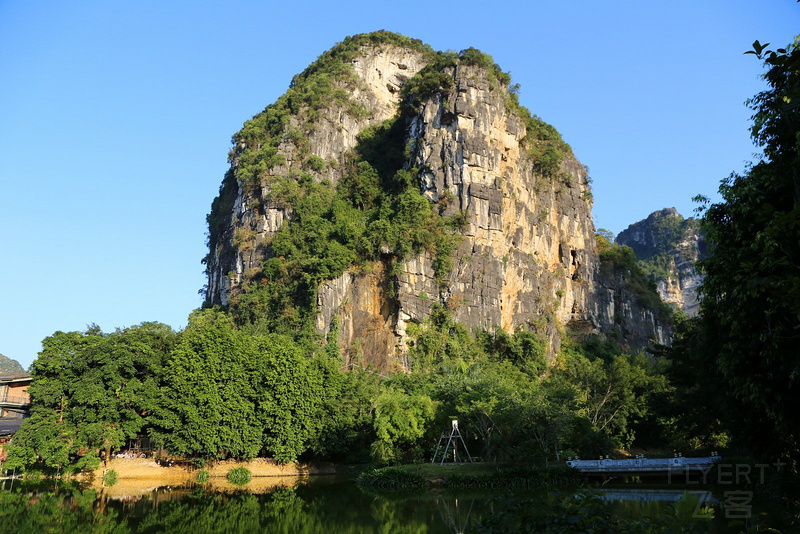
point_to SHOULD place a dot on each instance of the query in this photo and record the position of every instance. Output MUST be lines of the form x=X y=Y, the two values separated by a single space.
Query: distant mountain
x=7 y=365
x=667 y=247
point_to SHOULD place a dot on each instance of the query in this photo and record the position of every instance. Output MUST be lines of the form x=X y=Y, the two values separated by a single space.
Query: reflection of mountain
x=455 y=513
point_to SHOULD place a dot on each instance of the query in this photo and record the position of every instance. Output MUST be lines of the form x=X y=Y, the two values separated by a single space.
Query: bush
x=239 y=476
x=110 y=478
x=316 y=163
x=203 y=475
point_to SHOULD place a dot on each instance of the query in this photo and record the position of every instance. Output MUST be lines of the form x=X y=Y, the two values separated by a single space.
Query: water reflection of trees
x=38 y=512
x=339 y=507
x=299 y=509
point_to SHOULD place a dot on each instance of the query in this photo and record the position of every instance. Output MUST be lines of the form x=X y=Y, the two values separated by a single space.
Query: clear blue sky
x=115 y=122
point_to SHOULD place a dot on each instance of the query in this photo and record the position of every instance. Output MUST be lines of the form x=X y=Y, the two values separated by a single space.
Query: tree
x=751 y=294
x=231 y=393
x=208 y=408
x=90 y=393
x=289 y=395
x=400 y=421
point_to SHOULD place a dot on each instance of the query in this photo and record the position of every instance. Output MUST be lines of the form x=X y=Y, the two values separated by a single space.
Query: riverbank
x=144 y=470
x=477 y=475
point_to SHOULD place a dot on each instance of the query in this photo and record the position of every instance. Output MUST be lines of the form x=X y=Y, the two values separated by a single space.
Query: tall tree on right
x=751 y=294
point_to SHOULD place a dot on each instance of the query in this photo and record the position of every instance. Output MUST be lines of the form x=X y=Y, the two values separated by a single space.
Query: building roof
x=9 y=426
x=14 y=377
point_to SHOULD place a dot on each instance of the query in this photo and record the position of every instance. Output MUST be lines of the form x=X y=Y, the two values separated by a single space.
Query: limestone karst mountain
x=391 y=179
x=7 y=365
x=668 y=246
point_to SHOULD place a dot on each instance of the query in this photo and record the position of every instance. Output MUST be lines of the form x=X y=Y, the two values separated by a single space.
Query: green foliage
x=239 y=476
x=209 y=408
x=203 y=476
x=231 y=394
x=376 y=207
x=392 y=478
x=694 y=411
x=513 y=403
x=751 y=293
x=612 y=390
x=316 y=163
x=222 y=391
x=91 y=392
x=429 y=80
x=109 y=478
x=400 y=420
x=545 y=146
x=347 y=430
x=440 y=340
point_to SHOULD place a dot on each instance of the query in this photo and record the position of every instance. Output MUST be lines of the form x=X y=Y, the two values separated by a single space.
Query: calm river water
x=322 y=504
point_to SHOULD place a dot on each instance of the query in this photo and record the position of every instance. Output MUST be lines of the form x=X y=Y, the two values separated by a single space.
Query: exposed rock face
x=622 y=310
x=367 y=318
x=668 y=246
x=528 y=256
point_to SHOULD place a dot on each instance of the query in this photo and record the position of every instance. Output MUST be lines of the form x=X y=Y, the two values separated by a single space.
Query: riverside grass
x=421 y=476
x=239 y=476
x=110 y=478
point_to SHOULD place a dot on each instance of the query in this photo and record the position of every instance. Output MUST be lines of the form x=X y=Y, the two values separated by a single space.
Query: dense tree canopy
x=751 y=294
x=91 y=392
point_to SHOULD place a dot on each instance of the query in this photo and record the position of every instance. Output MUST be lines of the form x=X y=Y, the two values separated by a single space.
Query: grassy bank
x=479 y=475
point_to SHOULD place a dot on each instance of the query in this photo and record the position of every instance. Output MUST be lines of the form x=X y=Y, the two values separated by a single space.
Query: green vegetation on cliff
x=620 y=261
x=375 y=212
x=7 y=365
x=656 y=240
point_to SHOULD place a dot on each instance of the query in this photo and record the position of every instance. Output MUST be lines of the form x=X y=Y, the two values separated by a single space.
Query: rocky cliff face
x=527 y=257
x=668 y=246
